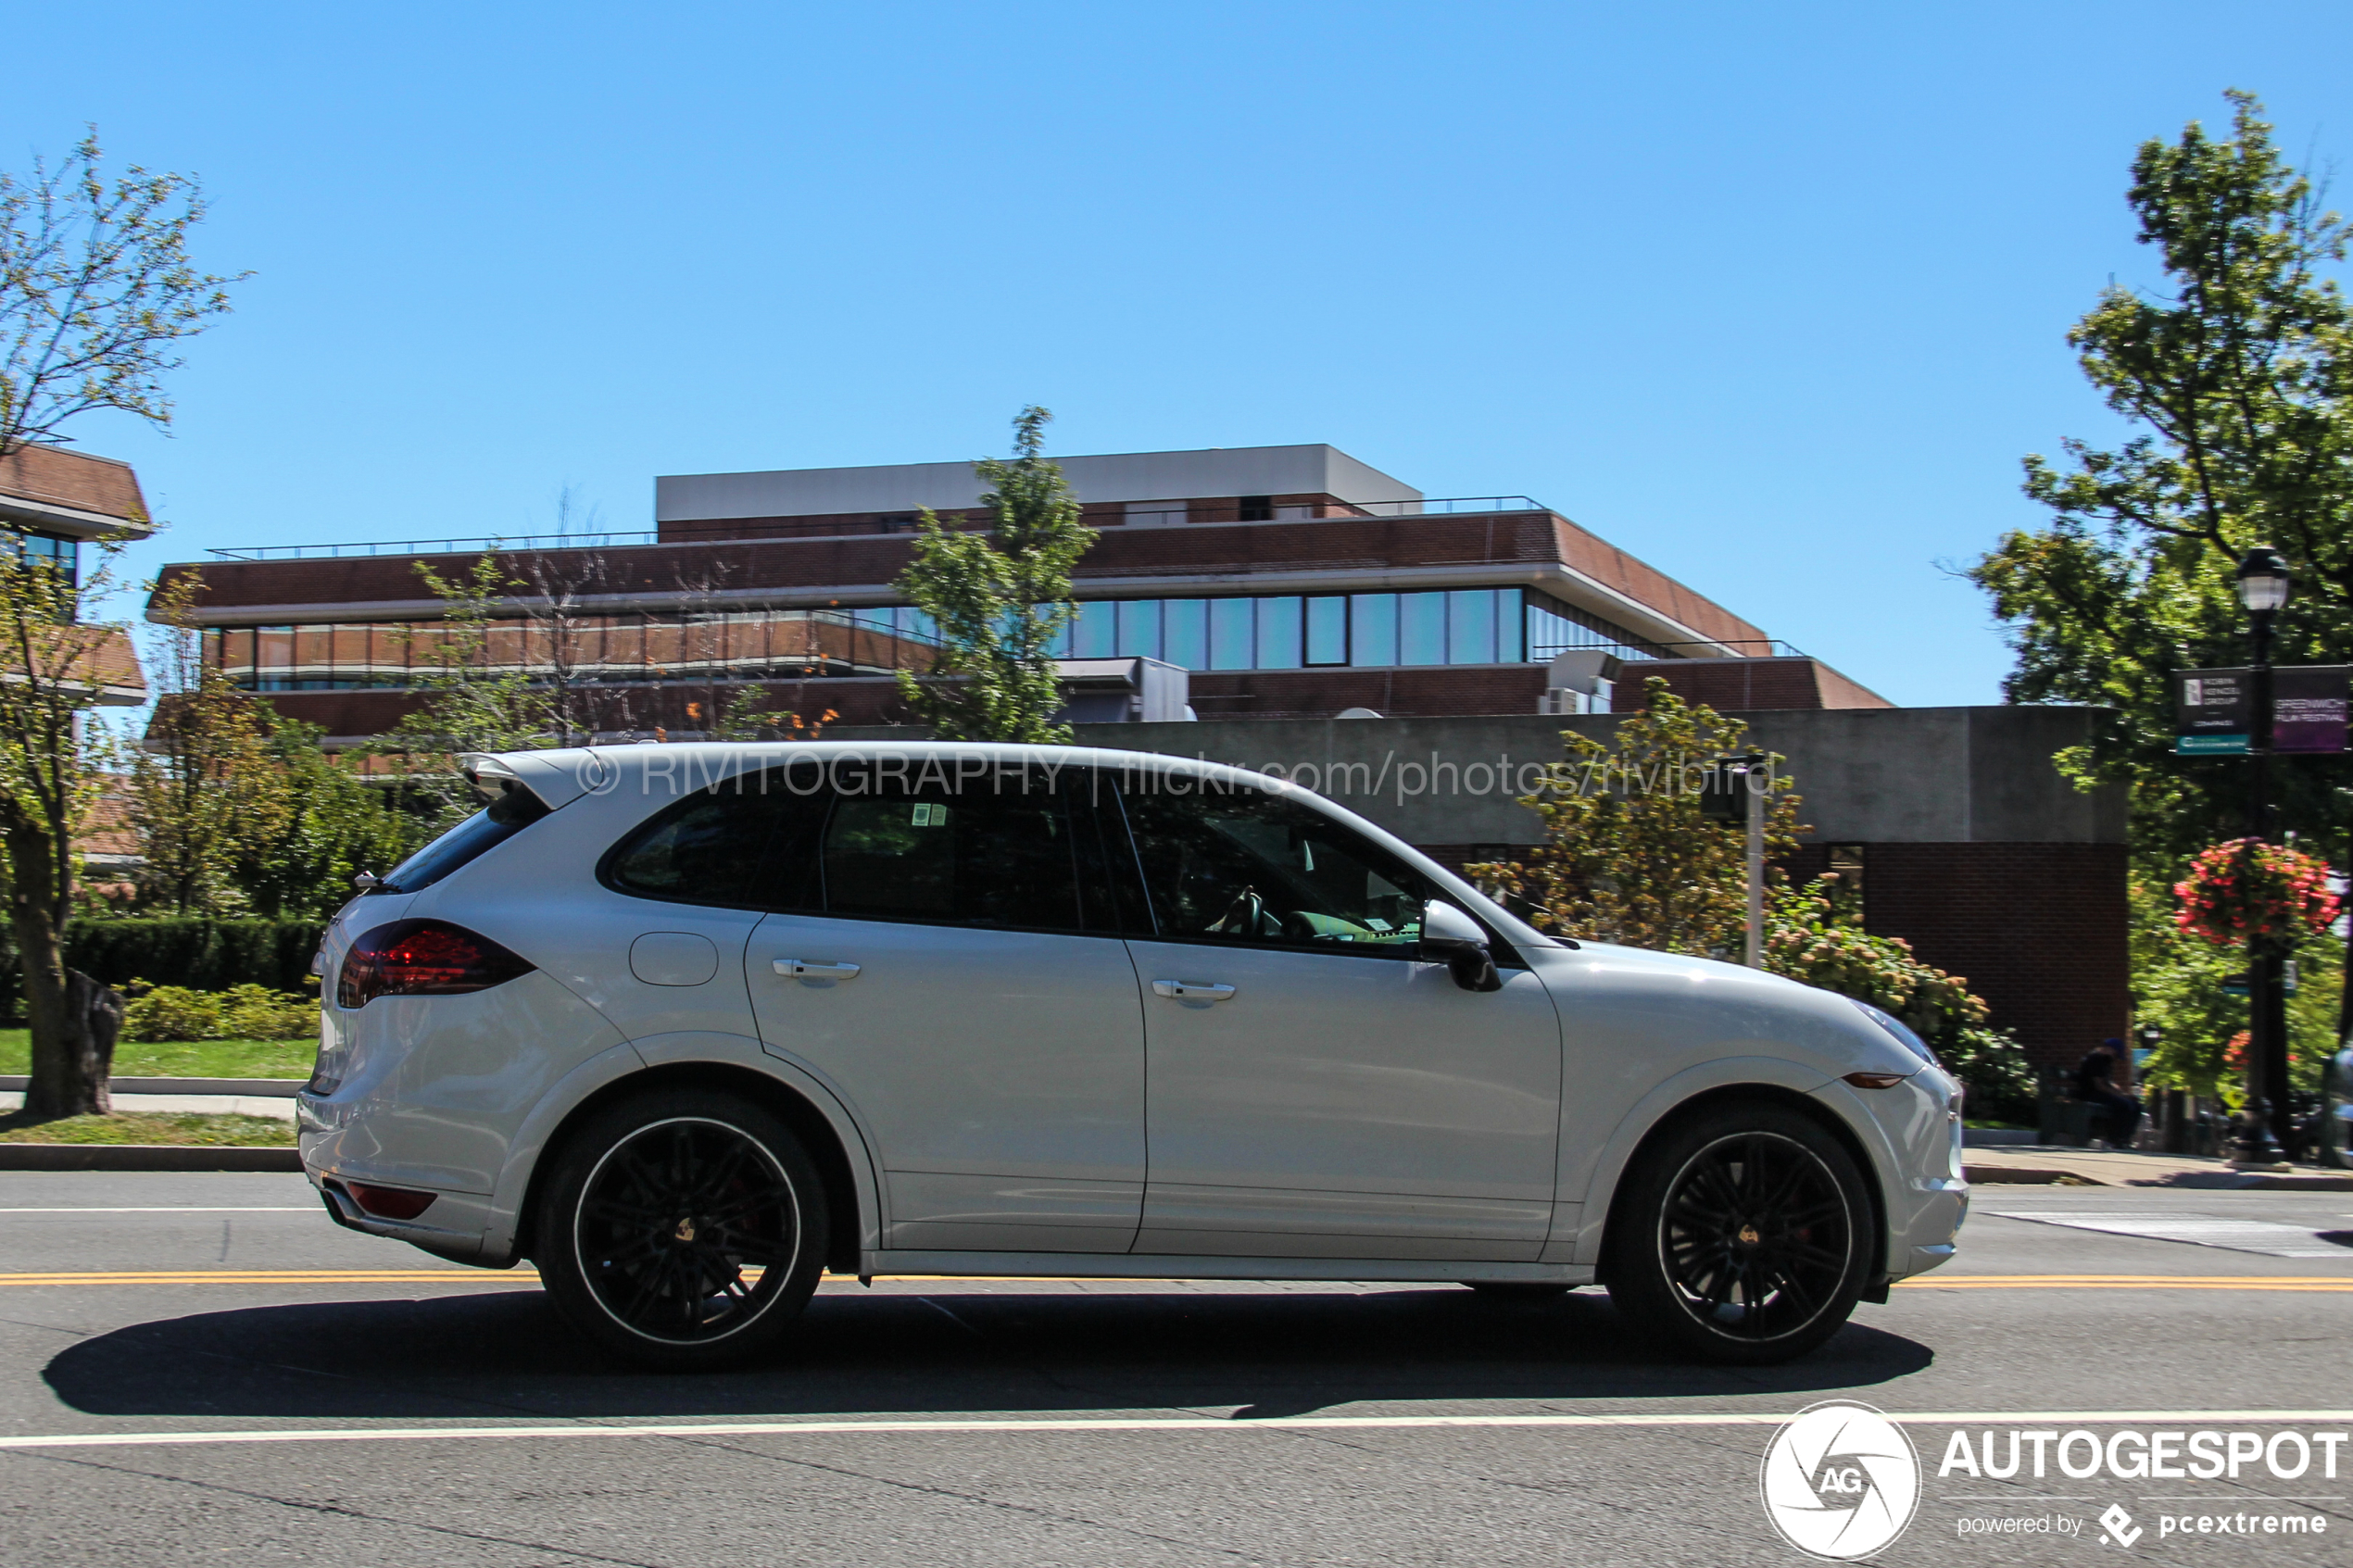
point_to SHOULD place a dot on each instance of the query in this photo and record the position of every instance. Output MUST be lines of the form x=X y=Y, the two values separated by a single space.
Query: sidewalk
x=2134 y=1168
x=238 y=1105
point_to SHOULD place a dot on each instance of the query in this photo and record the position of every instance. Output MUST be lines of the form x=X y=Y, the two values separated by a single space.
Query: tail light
x=422 y=958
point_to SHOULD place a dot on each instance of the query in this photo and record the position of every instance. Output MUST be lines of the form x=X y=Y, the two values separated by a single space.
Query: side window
x=1248 y=867
x=726 y=844
x=1001 y=849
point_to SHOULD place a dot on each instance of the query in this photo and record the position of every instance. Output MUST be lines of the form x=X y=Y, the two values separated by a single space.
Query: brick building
x=1288 y=581
x=53 y=502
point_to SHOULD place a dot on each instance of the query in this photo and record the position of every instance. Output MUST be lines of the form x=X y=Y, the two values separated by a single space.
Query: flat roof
x=1311 y=469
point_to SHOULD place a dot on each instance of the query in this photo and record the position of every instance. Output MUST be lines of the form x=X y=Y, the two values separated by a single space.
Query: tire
x=1533 y=1292
x=683 y=1230
x=1741 y=1236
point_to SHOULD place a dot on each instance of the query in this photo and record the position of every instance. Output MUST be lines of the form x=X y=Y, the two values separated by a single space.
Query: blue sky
x=1774 y=297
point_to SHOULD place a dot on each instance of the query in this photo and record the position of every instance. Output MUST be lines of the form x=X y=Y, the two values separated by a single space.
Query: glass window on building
x=1327 y=630
x=1470 y=626
x=1279 y=633
x=1372 y=629
x=1421 y=628
x=1184 y=632
x=1230 y=639
x=1096 y=632
x=1276 y=631
x=63 y=554
x=1139 y=629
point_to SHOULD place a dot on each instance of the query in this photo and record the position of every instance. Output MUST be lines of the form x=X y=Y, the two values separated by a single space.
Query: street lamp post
x=2264 y=586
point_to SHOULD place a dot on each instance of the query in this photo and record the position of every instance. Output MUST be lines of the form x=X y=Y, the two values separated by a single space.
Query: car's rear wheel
x=683 y=1230
x=1742 y=1235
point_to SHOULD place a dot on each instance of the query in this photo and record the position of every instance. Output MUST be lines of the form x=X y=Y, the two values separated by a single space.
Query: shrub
x=2000 y=1079
x=155 y=1013
x=203 y=955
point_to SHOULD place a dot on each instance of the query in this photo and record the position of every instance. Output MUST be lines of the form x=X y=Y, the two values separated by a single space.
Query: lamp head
x=2264 y=580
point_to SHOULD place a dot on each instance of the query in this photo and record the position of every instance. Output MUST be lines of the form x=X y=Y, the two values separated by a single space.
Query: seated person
x=2095 y=1086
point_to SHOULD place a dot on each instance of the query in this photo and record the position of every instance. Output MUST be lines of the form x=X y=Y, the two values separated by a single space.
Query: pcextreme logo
x=1840 y=1480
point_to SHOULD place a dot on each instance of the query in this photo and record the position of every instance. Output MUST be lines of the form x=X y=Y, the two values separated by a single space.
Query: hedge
x=203 y=955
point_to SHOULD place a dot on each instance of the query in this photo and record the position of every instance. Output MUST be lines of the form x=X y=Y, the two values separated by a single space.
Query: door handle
x=1191 y=990
x=801 y=969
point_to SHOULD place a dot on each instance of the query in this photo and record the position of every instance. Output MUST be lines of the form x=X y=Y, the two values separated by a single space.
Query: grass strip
x=179 y=1127
x=184 y=1059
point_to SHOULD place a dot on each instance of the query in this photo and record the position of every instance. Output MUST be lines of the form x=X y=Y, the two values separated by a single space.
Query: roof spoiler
x=556 y=778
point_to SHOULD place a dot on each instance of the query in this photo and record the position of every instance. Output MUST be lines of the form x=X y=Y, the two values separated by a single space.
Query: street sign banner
x=2307 y=707
x=2215 y=711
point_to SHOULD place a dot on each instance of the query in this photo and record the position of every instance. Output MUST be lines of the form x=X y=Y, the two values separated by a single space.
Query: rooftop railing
x=1143 y=513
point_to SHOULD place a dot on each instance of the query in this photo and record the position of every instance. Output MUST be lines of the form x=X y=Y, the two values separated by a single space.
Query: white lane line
x=1141 y=1423
x=2263 y=1236
x=178 y=1209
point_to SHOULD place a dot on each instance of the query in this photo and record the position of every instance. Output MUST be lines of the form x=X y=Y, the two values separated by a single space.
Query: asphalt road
x=162 y=1321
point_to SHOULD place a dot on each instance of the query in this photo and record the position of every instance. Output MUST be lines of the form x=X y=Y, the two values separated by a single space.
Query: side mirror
x=1453 y=938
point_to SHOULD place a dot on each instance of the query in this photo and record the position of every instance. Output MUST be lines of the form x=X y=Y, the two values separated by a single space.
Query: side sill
x=1128 y=1266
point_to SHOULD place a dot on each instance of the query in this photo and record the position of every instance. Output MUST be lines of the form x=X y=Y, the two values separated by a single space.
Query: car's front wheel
x=1742 y=1235
x=684 y=1230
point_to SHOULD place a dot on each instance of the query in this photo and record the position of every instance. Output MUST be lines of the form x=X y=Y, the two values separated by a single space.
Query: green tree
x=337 y=824
x=1000 y=596
x=1629 y=856
x=96 y=294
x=472 y=664
x=204 y=782
x=2237 y=376
x=55 y=669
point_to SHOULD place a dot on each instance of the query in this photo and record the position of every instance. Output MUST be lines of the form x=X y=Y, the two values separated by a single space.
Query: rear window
x=515 y=810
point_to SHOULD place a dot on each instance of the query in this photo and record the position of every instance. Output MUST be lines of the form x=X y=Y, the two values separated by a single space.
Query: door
x=954 y=973
x=1315 y=1088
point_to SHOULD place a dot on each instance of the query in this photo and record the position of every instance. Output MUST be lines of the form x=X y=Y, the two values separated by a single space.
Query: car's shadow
x=949 y=1350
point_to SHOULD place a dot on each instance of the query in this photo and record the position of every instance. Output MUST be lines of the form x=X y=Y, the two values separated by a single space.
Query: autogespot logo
x=1840 y=1481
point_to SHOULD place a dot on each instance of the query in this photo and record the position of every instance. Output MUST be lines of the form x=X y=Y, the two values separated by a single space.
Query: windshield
x=477 y=835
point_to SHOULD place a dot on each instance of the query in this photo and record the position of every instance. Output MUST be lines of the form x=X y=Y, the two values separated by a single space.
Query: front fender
x=1664 y=1099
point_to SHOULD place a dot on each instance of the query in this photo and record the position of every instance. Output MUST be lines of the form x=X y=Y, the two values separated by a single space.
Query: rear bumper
x=453 y=1227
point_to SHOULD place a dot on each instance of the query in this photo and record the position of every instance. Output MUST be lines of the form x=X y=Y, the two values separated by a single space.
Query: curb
x=256 y=1088
x=2020 y=1175
x=147 y=1157
x=2255 y=1180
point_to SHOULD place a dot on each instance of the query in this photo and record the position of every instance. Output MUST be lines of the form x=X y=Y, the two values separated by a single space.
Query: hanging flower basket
x=2248 y=890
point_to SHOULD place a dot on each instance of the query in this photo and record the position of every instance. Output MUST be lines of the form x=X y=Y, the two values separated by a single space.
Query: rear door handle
x=1191 y=990
x=801 y=969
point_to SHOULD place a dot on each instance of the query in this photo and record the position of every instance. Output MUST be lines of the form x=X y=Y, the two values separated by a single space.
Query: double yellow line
x=2292 y=1282
x=273 y=1276
x=524 y=1277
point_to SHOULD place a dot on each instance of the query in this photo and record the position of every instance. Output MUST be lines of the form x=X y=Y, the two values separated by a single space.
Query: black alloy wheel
x=1744 y=1236
x=684 y=1230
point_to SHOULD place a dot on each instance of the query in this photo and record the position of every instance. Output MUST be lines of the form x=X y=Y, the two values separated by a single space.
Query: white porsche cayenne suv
x=690 y=1025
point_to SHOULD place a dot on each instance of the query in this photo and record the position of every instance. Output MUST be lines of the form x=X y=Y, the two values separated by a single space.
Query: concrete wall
x=1923 y=775
x=1122 y=476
